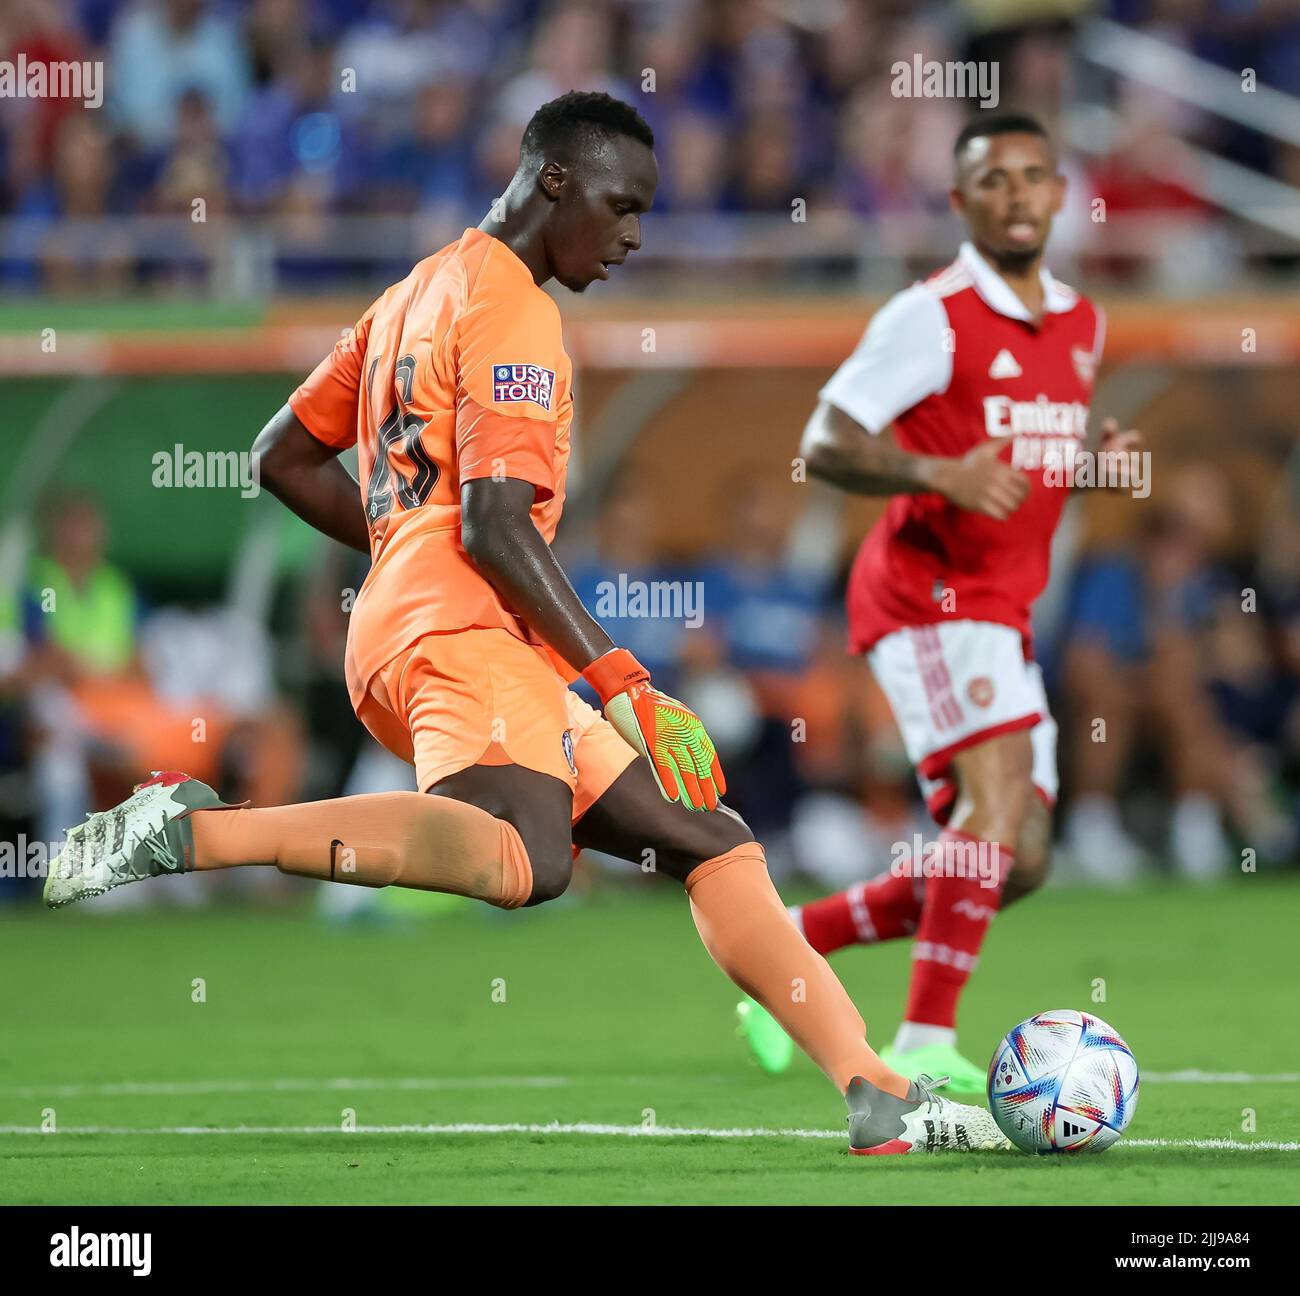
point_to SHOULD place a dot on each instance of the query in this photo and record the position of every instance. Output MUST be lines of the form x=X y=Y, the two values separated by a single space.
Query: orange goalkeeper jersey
x=458 y=372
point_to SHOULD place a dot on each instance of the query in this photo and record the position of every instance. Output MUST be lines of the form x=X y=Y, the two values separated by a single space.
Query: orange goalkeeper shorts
x=483 y=697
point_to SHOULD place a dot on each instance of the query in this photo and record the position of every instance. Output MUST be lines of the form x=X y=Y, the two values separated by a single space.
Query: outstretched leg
x=740 y=918
x=495 y=833
x=750 y=936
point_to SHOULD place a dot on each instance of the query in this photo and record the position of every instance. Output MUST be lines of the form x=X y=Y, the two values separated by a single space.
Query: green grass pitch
x=606 y=1012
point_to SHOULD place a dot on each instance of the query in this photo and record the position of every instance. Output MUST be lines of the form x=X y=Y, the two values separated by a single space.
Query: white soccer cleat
x=148 y=835
x=882 y=1125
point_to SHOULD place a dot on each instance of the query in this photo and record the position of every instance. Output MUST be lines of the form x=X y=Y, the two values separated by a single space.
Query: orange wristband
x=614 y=672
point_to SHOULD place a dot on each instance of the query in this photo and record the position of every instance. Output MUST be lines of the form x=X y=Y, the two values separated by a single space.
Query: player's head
x=1007 y=186
x=591 y=157
x=76 y=532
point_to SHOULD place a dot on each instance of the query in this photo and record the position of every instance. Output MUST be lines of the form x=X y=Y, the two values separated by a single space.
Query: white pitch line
x=585 y=1128
x=184 y=1088
x=1214 y=1145
x=1192 y=1076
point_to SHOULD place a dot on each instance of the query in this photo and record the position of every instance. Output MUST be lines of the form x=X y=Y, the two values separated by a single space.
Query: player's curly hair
x=566 y=124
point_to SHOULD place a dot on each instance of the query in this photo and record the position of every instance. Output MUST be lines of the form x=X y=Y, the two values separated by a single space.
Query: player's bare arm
x=498 y=533
x=305 y=474
x=500 y=537
x=842 y=452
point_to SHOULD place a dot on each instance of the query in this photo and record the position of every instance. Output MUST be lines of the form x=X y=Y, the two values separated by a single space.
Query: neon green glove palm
x=665 y=731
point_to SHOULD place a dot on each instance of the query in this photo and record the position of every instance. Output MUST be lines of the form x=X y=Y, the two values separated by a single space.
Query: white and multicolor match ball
x=1063 y=1081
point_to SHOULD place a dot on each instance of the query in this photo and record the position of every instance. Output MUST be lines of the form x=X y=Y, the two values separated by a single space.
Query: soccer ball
x=1063 y=1082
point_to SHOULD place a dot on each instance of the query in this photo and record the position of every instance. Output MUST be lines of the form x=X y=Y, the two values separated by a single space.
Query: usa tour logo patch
x=522 y=382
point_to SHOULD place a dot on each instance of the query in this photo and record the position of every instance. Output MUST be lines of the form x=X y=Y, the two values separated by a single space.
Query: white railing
x=247 y=260
x=1260 y=199
x=1149 y=61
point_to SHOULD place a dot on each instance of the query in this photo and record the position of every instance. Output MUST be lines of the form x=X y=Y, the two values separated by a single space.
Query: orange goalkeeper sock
x=404 y=839
x=752 y=938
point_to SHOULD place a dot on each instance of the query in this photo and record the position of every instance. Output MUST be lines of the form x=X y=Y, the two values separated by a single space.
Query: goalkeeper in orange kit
x=456 y=389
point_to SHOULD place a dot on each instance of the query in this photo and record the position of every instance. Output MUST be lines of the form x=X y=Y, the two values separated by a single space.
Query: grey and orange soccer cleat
x=882 y=1125
x=148 y=835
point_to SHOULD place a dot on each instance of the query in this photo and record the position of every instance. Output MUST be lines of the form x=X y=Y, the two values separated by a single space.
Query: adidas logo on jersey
x=1004 y=365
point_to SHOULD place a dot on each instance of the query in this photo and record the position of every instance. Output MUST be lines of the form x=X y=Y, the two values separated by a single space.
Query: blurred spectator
x=767 y=612
x=43 y=32
x=573 y=49
x=432 y=168
x=292 y=129
x=888 y=164
x=161 y=49
x=694 y=172
x=196 y=166
x=82 y=611
x=1151 y=173
x=1159 y=648
x=116 y=695
x=765 y=172
x=386 y=57
x=317 y=109
x=77 y=252
x=274 y=31
x=81 y=615
x=764 y=613
x=210 y=668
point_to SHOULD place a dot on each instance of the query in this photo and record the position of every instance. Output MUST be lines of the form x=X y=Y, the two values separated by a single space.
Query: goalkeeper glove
x=667 y=732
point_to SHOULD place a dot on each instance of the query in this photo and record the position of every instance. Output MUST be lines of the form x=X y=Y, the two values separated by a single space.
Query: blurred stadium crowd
x=309 y=109
x=251 y=106
x=1202 y=704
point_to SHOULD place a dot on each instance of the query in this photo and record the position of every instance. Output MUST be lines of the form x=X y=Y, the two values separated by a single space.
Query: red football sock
x=882 y=909
x=954 y=919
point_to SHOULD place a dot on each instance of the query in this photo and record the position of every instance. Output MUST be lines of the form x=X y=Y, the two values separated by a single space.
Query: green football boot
x=964 y=1078
x=148 y=835
x=771 y=1046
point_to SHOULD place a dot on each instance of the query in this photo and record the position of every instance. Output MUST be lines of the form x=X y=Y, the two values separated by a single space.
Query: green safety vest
x=95 y=623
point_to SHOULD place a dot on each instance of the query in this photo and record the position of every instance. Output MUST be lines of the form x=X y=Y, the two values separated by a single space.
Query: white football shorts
x=956 y=684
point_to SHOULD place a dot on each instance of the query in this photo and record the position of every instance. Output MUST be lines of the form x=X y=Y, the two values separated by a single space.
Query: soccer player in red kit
x=966 y=401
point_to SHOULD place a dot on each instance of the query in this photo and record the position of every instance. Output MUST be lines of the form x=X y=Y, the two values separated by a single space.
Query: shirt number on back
x=399 y=434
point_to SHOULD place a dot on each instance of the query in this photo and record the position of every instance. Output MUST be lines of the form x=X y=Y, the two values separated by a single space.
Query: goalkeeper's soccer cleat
x=148 y=835
x=964 y=1078
x=771 y=1046
x=882 y=1125
x=665 y=731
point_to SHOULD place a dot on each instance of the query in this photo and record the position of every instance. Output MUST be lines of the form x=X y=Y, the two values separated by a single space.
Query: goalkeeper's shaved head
x=577 y=126
x=587 y=172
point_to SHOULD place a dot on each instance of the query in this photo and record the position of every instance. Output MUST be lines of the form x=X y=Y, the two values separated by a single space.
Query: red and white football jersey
x=950 y=363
